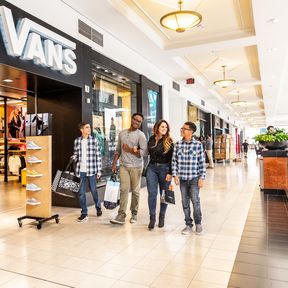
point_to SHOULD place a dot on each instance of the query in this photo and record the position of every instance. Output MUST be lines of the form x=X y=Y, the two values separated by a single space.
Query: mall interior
x=67 y=61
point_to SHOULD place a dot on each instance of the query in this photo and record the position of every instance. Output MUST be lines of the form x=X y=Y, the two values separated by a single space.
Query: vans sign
x=31 y=41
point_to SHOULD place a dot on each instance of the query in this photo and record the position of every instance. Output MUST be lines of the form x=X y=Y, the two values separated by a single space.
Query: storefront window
x=12 y=156
x=114 y=102
x=152 y=110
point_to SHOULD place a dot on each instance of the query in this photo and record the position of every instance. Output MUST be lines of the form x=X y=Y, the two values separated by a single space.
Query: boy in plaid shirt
x=188 y=169
x=88 y=167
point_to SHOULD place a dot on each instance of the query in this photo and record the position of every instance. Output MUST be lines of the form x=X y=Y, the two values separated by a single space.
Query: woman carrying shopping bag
x=160 y=150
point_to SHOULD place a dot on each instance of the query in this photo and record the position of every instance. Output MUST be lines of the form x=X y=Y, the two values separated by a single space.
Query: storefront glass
x=153 y=99
x=15 y=150
x=114 y=102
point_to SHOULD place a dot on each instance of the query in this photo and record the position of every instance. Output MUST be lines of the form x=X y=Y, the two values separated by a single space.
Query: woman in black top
x=160 y=149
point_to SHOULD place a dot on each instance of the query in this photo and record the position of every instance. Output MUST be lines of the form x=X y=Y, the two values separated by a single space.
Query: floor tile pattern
x=262 y=258
x=99 y=254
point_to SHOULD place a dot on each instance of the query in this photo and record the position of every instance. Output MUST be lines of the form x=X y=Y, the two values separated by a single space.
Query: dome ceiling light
x=238 y=102
x=245 y=113
x=181 y=20
x=224 y=83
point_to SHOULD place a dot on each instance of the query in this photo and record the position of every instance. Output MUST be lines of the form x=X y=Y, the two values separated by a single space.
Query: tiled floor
x=262 y=258
x=96 y=253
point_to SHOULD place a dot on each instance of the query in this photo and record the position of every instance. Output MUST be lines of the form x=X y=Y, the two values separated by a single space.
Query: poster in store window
x=152 y=110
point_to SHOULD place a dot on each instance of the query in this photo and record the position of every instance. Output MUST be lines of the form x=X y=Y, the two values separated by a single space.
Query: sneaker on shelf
x=32 y=187
x=82 y=218
x=198 y=228
x=120 y=219
x=33 y=173
x=32 y=146
x=133 y=218
x=187 y=230
x=33 y=159
x=32 y=201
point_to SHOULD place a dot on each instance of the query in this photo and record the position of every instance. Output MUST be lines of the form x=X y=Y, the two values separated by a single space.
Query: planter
x=281 y=145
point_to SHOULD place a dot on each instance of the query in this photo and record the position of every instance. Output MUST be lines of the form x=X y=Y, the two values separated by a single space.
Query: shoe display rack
x=38 y=177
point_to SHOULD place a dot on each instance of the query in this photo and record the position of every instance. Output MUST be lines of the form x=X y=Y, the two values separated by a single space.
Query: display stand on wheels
x=38 y=186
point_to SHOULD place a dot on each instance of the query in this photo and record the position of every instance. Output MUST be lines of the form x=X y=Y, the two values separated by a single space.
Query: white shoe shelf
x=40 y=208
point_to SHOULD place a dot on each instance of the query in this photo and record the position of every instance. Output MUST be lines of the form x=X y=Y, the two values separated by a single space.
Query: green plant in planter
x=273 y=135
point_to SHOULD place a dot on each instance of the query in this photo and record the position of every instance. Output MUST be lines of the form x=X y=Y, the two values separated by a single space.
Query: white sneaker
x=32 y=187
x=32 y=146
x=187 y=230
x=32 y=201
x=33 y=159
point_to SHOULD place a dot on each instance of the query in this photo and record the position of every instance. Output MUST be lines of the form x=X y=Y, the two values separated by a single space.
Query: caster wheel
x=20 y=224
x=39 y=226
x=57 y=220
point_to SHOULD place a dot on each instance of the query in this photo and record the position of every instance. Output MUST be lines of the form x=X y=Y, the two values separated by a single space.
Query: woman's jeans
x=82 y=192
x=190 y=191
x=156 y=174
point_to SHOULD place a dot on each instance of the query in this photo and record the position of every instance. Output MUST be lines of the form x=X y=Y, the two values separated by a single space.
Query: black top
x=245 y=146
x=157 y=154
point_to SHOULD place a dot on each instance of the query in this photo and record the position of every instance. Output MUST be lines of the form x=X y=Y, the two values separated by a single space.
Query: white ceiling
x=248 y=36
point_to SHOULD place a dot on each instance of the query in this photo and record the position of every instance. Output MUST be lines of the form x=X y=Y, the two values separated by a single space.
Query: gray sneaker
x=187 y=230
x=120 y=219
x=198 y=228
x=133 y=218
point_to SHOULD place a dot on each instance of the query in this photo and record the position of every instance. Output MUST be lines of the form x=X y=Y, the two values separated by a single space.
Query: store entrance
x=13 y=108
x=24 y=93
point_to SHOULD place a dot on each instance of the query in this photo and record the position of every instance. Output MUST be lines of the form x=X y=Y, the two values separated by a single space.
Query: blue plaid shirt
x=188 y=160
x=94 y=160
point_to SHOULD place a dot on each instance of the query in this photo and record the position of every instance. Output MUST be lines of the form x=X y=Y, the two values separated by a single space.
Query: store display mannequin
x=15 y=122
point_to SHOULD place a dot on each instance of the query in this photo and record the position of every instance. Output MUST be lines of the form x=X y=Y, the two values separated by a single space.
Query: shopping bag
x=168 y=196
x=65 y=182
x=112 y=193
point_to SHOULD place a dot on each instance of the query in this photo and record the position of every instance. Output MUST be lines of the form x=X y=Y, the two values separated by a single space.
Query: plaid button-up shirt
x=94 y=160
x=188 y=160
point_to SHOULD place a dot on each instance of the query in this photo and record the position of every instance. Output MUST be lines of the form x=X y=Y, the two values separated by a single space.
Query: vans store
x=49 y=82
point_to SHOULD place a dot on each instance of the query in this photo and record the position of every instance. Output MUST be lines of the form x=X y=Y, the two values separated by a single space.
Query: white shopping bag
x=112 y=194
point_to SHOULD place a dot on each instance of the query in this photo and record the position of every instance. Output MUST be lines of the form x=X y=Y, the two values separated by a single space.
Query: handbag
x=65 y=182
x=112 y=193
x=145 y=168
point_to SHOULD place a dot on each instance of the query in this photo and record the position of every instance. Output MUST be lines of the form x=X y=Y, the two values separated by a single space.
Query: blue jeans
x=190 y=191
x=82 y=192
x=156 y=174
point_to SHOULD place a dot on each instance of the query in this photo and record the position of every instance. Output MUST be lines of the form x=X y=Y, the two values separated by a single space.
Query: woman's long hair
x=167 y=140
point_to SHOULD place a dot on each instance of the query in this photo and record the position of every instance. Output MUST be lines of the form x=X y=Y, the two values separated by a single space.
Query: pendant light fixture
x=238 y=102
x=181 y=20
x=224 y=83
x=245 y=113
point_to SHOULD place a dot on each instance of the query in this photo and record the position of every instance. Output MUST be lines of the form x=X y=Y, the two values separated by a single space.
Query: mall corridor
x=97 y=253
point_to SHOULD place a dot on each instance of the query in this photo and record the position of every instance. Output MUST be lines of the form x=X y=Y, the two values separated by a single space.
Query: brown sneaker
x=120 y=219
